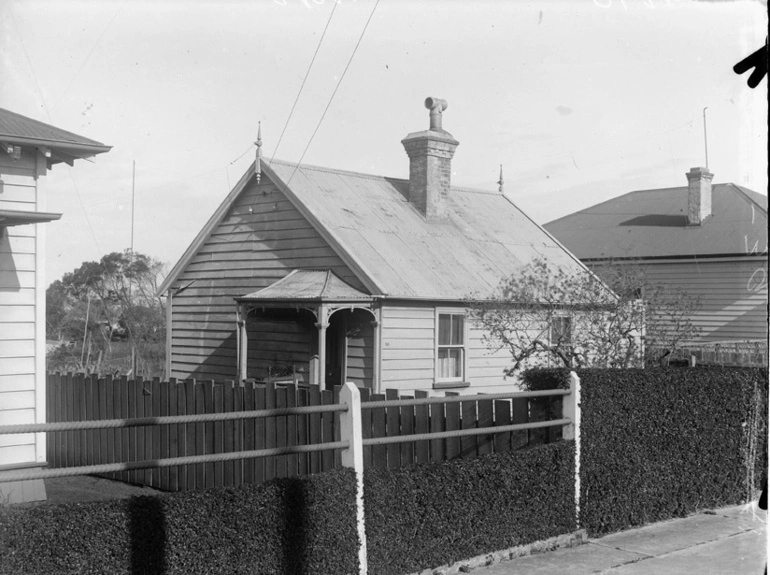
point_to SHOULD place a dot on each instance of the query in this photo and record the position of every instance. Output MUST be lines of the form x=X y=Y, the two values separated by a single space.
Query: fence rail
x=108 y=421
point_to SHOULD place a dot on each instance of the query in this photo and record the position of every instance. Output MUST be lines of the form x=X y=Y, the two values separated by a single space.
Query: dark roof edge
x=677 y=257
x=95 y=148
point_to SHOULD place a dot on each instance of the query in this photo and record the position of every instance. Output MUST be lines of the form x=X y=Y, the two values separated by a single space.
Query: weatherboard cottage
x=331 y=275
x=28 y=149
x=707 y=239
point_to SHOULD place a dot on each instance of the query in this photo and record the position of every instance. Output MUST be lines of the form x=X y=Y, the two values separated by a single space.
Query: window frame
x=552 y=328
x=451 y=382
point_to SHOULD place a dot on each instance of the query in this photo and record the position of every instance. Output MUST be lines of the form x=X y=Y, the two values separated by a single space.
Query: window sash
x=451 y=362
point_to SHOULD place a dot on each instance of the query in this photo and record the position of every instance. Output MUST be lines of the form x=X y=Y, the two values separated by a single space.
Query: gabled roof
x=309 y=285
x=653 y=224
x=19 y=130
x=389 y=245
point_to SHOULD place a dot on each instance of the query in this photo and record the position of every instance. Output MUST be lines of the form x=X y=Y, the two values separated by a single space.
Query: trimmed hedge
x=421 y=516
x=286 y=526
x=664 y=443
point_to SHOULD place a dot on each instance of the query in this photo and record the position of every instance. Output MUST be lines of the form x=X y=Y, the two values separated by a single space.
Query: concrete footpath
x=728 y=541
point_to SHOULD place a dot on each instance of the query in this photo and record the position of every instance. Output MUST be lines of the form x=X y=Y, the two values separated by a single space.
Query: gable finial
x=258 y=163
x=500 y=181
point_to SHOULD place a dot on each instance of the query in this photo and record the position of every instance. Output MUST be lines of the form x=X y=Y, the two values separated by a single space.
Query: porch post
x=323 y=323
x=376 y=356
x=242 y=344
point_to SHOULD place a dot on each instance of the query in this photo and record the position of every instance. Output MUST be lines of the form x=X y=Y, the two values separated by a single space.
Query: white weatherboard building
x=28 y=149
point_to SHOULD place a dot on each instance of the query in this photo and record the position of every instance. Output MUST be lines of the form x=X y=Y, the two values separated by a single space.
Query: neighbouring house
x=320 y=274
x=28 y=149
x=708 y=239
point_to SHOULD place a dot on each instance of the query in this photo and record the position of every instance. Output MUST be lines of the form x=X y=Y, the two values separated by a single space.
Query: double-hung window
x=561 y=331
x=451 y=347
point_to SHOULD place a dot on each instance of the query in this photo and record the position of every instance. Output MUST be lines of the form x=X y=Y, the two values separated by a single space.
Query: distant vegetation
x=105 y=313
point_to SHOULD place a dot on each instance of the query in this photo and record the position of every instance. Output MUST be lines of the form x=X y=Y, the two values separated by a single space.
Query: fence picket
x=270 y=431
x=208 y=432
x=219 y=433
x=453 y=444
x=281 y=424
x=291 y=430
x=502 y=441
x=88 y=414
x=366 y=425
x=302 y=432
x=200 y=434
x=175 y=434
x=249 y=426
x=127 y=438
x=520 y=414
x=191 y=442
x=407 y=428
x=260 y=436
x=237 y=431
x=327 y=430
x=379 y=429
x=159 y=432
x=437 y=424
x=422 y=418
x=314 y=398
x=393 y=429
x=468 y=443
x=485 y=419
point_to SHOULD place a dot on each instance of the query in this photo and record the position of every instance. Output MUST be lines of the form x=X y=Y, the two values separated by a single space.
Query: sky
x=578 y=100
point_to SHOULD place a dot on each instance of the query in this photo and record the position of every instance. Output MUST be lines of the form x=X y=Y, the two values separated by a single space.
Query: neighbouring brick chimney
x=430 y=164
x=698 y=195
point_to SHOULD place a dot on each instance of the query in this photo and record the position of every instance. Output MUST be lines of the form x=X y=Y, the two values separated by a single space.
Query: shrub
x=663 y=443
x=285 y=526
x=423 y=516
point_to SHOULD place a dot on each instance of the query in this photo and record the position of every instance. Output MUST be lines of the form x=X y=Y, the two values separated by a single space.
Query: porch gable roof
x=307 y=285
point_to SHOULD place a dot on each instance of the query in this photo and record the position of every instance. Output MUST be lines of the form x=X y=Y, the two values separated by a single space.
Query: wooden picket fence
x=83 y=398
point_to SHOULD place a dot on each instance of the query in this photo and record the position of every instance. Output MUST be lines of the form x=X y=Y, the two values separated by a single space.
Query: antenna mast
x=705 y=137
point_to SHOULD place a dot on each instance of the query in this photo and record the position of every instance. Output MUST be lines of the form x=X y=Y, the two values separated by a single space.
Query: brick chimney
x=430 y=164
x=698 y=195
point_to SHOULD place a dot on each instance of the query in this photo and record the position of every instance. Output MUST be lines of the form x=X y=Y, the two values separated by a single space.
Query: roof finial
x=500 y=181
x=258 y=163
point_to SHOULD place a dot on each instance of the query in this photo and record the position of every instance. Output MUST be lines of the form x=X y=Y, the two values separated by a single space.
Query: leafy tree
x=547 y=314
x=110 y=300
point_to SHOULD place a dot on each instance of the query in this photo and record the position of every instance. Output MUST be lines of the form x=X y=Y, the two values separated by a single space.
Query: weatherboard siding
x=259 y=241
x=409 y=352
x=733 y=294
x=22 y=343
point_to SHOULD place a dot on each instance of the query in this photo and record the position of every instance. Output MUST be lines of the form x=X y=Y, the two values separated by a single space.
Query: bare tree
x=546 y=314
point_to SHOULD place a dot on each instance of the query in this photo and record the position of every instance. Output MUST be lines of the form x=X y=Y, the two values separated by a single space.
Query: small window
x=561 y=331
x=451 y=346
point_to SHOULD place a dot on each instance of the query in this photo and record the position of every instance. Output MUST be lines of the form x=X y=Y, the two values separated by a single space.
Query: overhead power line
x=307 y=74
x=342 y=77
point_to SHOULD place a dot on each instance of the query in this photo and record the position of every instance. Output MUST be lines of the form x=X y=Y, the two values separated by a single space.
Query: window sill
x=450 y=384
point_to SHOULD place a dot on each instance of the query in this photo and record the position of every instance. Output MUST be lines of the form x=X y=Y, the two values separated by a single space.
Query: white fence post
x=353 y=457
x=571 y=410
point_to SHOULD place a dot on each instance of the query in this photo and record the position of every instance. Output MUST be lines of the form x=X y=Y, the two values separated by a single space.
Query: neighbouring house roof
x=19 y=218
x=391 y=247
x=653 y=224
x=308 y=285
x=65 y=146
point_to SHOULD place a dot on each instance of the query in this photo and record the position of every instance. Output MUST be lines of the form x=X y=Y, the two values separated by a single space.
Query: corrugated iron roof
x=653 y=224
x=18 y=129
x=485 y=239
x=314 y=285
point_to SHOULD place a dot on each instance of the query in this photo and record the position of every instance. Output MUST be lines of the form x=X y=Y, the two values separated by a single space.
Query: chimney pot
x=698 y=195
